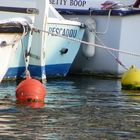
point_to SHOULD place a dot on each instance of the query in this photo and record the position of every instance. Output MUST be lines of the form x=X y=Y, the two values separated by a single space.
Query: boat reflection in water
x=31 y=104
x=132 y=94
x=75 y=108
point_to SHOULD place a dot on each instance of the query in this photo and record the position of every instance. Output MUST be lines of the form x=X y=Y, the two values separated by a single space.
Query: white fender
x=88 y=50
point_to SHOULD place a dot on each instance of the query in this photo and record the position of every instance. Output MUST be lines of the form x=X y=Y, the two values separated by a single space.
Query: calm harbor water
x=76 y=108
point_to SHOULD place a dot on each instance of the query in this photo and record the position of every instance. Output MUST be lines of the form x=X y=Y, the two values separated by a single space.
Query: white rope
x=15 y=40
x=24 y=55
x=110 y=52
x=18 y=37
x=107 y=24
x=87 y=43
x=27 y=72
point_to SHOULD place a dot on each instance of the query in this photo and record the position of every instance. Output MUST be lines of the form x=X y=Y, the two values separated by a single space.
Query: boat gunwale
x=19 y=10
x=63 y=22
x=92 y=11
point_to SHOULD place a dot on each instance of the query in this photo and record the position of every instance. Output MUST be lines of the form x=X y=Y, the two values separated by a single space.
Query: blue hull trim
x=92 y=11
x=15 y=73
x=36 y=71
x=58 y=70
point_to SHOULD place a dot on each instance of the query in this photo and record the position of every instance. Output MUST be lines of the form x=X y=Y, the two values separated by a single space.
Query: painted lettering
x=52 y=1
x=62 y=31
x=76 y=3
x=65 y=2
x=58 y=2
x=79 y=3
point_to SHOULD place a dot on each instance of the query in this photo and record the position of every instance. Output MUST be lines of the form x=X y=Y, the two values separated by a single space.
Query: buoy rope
x=86 y=43
x=27 y=72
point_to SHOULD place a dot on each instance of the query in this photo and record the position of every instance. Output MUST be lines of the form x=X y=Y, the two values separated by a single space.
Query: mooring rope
x=110 y=52
x=17 y=37
x=27 y=72
x=86 y=43
x=102 y=33
x=107 y=24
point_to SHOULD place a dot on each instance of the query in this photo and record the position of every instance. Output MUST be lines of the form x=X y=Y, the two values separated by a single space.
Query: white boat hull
x=44 y=51
x=82 y=5
x=56 y=63
x=120 y=32
x=121 y=35
x=11 y=33
x=7 y=52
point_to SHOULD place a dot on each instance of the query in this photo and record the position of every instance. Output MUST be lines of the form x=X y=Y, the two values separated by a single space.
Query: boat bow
x=11 y=33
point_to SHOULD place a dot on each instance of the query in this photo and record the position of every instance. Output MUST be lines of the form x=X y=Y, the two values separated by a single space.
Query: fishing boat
x=47 y=50
x=11 y=33
x=115 y=31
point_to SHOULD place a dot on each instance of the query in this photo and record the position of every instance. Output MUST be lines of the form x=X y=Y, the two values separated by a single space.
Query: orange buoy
x=30 y=90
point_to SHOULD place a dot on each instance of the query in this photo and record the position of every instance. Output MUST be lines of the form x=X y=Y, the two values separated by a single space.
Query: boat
x=112 y=35
x=70 y=6
x=81 y=6
x=11 y=33
x=47 y=50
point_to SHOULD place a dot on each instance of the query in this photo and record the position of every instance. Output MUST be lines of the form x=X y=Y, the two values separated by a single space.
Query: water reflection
x=32 y=104
x=132 y=94
x=76 y=108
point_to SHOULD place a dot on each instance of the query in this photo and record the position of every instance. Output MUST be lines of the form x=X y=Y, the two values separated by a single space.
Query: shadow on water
x=76 y=108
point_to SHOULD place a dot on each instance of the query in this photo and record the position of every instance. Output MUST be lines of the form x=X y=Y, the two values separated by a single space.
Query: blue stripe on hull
x=56 y=70
x=36 y=71
x=50 y=70
x=17 y=72
x=93 y=11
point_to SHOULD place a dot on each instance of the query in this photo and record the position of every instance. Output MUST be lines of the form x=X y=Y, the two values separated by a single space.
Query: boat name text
x=64 y=32
x=77 y=3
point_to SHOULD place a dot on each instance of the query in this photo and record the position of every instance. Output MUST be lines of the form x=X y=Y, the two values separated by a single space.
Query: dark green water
x=76 y=108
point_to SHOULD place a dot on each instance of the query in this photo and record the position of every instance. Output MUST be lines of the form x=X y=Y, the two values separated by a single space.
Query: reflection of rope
x=87 y=43
x=112 y=53
x=102 y=33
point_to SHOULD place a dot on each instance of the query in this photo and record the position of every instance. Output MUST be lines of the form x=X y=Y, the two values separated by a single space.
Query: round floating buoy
x=131 y=79
x=30 y=90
